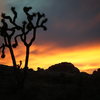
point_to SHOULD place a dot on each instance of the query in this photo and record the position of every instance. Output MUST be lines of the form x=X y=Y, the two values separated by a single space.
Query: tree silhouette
x=30 y=26
x=7 y=34
x=27 y=26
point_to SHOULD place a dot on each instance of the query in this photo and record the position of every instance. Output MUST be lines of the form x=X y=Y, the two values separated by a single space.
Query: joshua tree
x=30 y=26
x=7 y=34
x=27 y=26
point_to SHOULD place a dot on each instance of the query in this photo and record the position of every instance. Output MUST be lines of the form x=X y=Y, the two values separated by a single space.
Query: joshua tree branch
x=23 y=30
x=15 y=14
x=39 y=18
x=16 y=42
x=33 y=38
x=29 y=17
x=5 y=40
x=13 y=31
x=3 y=50
x=10 y=19
x=1 y=46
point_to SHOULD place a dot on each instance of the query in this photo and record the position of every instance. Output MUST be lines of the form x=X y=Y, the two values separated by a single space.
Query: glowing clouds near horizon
x=84 y=57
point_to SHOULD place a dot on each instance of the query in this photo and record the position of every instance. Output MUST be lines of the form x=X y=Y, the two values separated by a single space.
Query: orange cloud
x=85 y=57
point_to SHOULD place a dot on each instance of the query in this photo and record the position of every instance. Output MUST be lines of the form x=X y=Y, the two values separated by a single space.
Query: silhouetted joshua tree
x=29 y=26
x=7 y=34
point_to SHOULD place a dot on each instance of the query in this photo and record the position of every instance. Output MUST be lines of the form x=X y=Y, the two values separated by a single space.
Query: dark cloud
x=71 y=22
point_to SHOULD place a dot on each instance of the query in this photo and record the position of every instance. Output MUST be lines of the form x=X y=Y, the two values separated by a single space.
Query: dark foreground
x=51 y=85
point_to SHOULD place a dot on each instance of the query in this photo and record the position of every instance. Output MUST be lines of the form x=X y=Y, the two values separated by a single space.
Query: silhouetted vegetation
x=27 y=26
x=7 y=33
x=54 y=83
x=30 y=26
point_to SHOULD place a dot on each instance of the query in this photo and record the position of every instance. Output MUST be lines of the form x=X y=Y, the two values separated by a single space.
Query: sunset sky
x=73 y=33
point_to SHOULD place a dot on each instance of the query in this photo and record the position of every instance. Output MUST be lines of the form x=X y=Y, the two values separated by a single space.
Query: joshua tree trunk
x=27 y=57
x=12 y=53
x=26 y=62
x=21 y=85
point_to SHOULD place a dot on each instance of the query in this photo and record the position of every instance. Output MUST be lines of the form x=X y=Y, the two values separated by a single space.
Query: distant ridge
x=64 y=67
x=5 y=67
